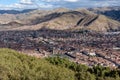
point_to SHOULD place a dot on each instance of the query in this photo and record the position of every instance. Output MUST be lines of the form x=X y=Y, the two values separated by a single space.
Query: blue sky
x=7 y=2
x=49 y=4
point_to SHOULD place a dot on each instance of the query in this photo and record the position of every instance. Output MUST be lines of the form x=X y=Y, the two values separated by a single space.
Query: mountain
x=111 y=12
x=15 y=11
x=59 y=19
x=14 y=23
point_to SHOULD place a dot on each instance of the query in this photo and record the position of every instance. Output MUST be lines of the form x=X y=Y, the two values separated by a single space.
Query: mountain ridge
x=60 y=19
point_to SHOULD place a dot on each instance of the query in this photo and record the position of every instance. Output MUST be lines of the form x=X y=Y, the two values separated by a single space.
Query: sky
x=50 y=4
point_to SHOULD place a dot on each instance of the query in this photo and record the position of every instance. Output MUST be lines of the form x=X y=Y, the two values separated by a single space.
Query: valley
x=85 y=36
x=84 y=47
x=59 y=40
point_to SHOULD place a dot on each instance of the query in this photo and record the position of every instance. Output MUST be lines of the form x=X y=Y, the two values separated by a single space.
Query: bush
x=16 y=66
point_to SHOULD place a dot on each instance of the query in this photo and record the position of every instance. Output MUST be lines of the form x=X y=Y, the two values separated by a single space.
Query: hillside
x=111 y=12
x=59 y=19
x=16 y=66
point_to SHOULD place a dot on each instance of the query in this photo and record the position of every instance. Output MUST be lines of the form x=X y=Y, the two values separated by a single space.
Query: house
x=89 y=53
x=116 y=48
x=92 y=54
x=70 y=55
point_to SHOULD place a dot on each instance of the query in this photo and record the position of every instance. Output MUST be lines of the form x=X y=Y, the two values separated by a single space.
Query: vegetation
x=83 y=72
x=16 y=66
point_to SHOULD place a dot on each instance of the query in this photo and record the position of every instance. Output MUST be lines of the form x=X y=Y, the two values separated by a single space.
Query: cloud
x=60 y=0
x=102 y=3
x=12 y=6
x=82 y=3
x=72 y=0
x=26 y=1
x=49 y=4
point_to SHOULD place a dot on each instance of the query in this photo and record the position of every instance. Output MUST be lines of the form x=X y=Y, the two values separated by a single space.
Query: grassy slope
x=15 y=66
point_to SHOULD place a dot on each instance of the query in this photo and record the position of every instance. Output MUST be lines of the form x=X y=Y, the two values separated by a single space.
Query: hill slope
x=60 y=20
x=79 y=19
x=111 y=12
x=16 y=66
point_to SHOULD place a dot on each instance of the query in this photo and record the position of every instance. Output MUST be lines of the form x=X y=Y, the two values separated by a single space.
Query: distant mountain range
x=15 y=11
x=111 y=12
x=97 y=19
